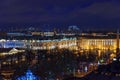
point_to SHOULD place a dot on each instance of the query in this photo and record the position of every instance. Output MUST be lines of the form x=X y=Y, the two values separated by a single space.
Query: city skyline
x=51 y=27
x=59 y=39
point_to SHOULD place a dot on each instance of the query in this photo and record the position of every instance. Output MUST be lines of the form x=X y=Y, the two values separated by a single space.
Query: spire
x=117 y=31
x=117 y=50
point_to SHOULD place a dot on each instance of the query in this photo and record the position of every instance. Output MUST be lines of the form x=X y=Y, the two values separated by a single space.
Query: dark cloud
x=83 y=12
x=107 y=9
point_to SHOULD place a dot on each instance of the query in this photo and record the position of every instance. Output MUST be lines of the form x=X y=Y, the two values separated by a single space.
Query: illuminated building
x=7 y=74
x=69 y=43
x=48 y=33
x=12 y=51
x=85 y=41
x=99 y=42
x=36 y=42
x=16 y=34
x=43 y=33
x=11 y=44
x=37 y=33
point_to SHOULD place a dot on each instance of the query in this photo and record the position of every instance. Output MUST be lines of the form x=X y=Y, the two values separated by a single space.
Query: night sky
x=85 y=13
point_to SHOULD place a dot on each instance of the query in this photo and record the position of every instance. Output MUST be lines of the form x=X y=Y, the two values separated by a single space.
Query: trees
x=58 y=62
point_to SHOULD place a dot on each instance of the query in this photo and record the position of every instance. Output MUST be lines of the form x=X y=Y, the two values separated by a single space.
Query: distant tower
x=117 y=49
x=55 y=32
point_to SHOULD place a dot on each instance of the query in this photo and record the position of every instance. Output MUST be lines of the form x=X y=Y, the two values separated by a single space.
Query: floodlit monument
x=28 y=76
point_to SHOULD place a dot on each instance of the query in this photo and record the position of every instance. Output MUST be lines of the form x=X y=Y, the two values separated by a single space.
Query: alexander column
x=117 y=49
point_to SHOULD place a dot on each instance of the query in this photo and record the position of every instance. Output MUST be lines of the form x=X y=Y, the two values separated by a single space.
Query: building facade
x=44 y=44
x=73 y=42
x=69 y=43
x=102 y=44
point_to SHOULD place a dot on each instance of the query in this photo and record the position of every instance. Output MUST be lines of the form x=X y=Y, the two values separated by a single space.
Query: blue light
x=29 y=76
